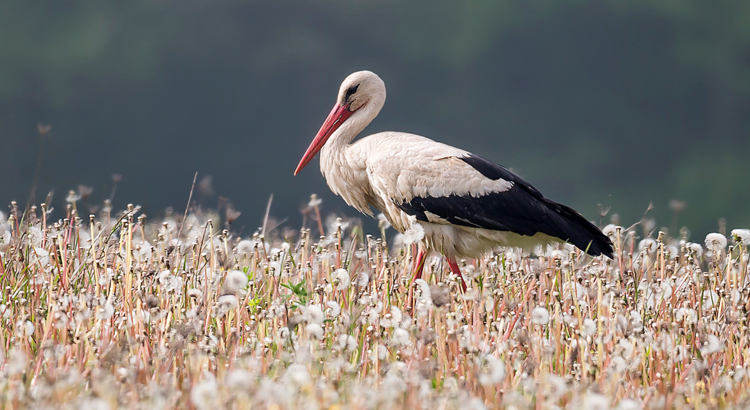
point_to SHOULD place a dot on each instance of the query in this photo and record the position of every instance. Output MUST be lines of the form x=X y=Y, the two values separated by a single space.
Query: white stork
x=465 y=204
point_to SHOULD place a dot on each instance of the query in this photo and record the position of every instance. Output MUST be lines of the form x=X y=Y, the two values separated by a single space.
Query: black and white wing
x=442 y=184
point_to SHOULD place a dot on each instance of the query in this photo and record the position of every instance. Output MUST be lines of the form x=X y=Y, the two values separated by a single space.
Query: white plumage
x=465 y=204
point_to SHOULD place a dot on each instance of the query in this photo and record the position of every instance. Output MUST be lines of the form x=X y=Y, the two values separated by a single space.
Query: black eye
x=351 y=90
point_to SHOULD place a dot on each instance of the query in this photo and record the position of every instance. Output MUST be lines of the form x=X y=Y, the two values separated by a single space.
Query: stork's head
x=360 y=98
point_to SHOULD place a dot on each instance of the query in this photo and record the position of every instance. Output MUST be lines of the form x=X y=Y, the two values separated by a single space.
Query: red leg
x=419 y=265
x=454 y=268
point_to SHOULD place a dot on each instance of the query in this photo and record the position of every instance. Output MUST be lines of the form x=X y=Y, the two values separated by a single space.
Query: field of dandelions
x=118 y=311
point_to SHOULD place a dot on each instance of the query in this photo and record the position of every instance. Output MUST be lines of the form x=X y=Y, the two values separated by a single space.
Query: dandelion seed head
x=715 y=242
x=611 y=231
x=539 y=316
x=712 y=345
x=314 y=201
x=346 y=342
x=41 y=256
x=392 y=319
x=589 y=327
x=274 y=268
x=441 y=295
x=741 y=236
x=313 y=314
x=710 y=299
x=401 y=337
x=333 y=309
x=363 y=279
x=205 y=394
x=341 y=279
x=557 y=385
x=72 y=197
x=235 y=281
x=297 y=376
x=227 y=303
x=245 y=248
x=695 y=249
x=170 y=282
x=627 y=347
x=493 y=371
x=195 y=293
x=239 y=381
x=17 y=362
x=628 y=404
x=690 y=316
x=383 y=223
x=424 y=289
x=94 y=403
x=24 y=329
x=649 y=224
x=84 y=241
x=673 y=251
x=595 y=401
x=618 y=365
x=424 y=301
x=648 y=245
x=105 y=312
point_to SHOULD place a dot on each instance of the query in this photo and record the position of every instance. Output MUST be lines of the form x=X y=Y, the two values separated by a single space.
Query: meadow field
x=121 y=311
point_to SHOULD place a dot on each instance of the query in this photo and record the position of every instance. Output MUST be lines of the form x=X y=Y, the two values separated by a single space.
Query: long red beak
x=338 y=115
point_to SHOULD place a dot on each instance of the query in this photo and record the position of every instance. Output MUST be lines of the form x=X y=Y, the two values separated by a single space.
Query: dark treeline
x=612 y=103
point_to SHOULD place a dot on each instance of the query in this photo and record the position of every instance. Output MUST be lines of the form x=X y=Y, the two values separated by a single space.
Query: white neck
x=346 y=174
x=345 y=134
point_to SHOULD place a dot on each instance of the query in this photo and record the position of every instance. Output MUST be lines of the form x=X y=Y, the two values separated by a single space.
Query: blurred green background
x=607 y=103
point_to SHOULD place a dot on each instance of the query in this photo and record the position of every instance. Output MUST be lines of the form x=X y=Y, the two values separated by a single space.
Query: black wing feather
x=521 y=209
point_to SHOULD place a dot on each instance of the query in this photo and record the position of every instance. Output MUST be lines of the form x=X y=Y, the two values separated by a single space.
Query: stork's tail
x=580 y=232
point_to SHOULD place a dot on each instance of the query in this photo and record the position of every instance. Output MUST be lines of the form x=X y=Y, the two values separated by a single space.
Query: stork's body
x=464 y=204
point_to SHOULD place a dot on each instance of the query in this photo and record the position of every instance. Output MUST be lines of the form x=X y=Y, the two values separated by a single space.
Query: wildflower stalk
x=179 y=338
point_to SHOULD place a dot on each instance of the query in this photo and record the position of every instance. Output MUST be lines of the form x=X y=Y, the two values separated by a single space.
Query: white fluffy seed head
x=17 y=362
x=695 y=249
x=611 y=231
x=648 y=245
x=346 y=342
x=245 y=248
x=105 y=312
x=715 y=242
x=539 y=316
x=401 y=337
x=626 y=346
x=228 y=302
x=234 y=281
x=314 y=201
x=383 y=223
x=628 y=404
x=741 y=236
x=690 y=316
x=205 y=394
x=589 y=327
x=333 y=308
x=239 y=381
x=712 y=345
x=493 y=371
x=363 y=279
x=313 y=314
x=314 y=330
x=341 y=279
x=595 y=401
